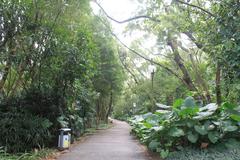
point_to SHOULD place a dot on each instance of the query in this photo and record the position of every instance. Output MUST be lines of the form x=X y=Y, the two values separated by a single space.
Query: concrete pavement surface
x=112 y=144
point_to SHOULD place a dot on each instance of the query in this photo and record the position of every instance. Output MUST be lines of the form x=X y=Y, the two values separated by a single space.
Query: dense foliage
x=185 y=123
x=196 y=53
x=61 y=67
x=58 y=68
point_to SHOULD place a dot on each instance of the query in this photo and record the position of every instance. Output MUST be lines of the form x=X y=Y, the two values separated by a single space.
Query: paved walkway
x=111 y=144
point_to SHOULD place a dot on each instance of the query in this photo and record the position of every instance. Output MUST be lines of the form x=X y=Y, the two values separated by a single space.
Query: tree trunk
x=97 y=112
x=109 y=106
x=178 y=60
x=5 y=74
x=218 y=85
x=200 y=46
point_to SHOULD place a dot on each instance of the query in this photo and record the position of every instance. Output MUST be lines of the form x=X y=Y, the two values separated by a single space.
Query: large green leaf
x=201 y=129
x=153 y=120
x=230 y=128
x=213 y=136
x=185 y=112
x=235 y=117
x=234 y=114
x=137 y=118
x=176 y=132
x=158 y=128
x=146 y=115
x=189 y=102
x=192 y=137
x=190 y=123
x=63 y=121
x=163 y=106
x=164 y=153
x=211 y=107
x=147 y=125
x=161 y=112
x=178 y=103
x=206 y=111
x=209 y=125
x=153 y=145
x=227 y=105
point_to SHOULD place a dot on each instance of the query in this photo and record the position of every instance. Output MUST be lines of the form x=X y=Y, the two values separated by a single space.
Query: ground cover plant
x=34 y=155
x=227 y=150
x=186 y=123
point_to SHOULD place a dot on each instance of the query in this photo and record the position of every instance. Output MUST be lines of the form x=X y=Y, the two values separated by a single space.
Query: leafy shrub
x=27 y=120
x=22 y=131
x=185 y=124
x=74 y=121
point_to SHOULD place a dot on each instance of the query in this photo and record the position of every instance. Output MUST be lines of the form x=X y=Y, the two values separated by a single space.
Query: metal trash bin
x=64 y=138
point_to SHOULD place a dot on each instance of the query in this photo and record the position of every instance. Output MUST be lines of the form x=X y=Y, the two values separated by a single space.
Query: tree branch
x=148 y=59
x=127 y=69
x=126 y=20
x=178 y=60
x=139 y=71
x=193 y=39
x=145 y=58
x=194 y=6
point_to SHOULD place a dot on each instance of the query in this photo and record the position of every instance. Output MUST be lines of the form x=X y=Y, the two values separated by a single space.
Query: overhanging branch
x=140 y=55
x=126 y=20
x=147 y=59
x=194 y=6
x=128 y=70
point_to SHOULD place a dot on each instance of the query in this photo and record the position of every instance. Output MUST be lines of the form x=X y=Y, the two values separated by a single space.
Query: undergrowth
x=229 y=150
x=186 y=124
x=35 y=155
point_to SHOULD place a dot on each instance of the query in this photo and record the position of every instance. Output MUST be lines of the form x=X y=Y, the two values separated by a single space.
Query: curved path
x=112 y=144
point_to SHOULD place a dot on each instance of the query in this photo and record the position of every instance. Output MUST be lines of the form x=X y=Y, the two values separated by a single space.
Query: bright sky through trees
x=121 y=10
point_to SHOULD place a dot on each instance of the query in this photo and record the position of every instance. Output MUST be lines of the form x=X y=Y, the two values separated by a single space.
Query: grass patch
x=35 y=155
x=103 y=126
x=100 y=126
x=90 y=131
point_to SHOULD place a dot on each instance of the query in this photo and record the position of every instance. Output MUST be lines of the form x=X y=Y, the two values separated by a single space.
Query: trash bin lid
x=65 y=129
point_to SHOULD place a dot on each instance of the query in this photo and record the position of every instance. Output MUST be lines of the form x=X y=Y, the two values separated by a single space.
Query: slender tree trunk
x=109 y=106
x=152 y=94
x=5 y=74
x=97 y=112
x=218 y=85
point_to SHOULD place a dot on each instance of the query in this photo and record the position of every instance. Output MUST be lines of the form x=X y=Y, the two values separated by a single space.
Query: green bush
x=185 y=124
x=33 y=119
x=22 y=131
